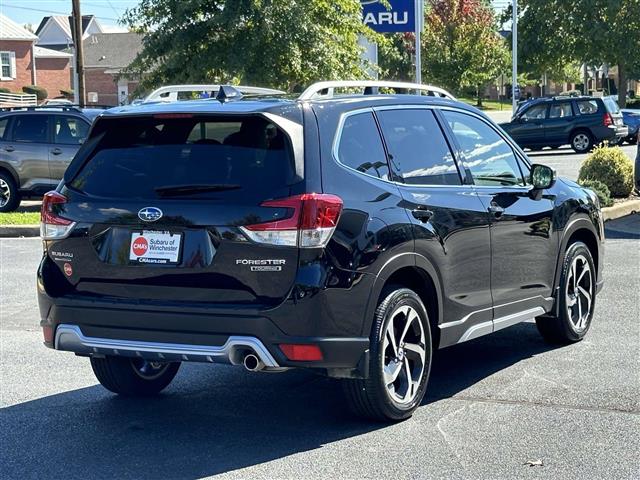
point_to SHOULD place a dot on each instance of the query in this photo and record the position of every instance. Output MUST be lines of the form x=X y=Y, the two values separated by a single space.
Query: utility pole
x=418 y=20
x=515 y=90
x=77 y=42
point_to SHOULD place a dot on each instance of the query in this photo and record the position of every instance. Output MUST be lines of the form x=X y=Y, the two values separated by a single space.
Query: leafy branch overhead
x=279 y=43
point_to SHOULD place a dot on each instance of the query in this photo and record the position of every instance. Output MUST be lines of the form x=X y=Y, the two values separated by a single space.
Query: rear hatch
x=611 y=105
x=158 y=204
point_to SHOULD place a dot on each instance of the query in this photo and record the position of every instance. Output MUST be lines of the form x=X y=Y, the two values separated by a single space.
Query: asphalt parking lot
x=503 y=407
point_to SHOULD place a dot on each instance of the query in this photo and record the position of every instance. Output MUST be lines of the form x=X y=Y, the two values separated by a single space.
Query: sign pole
x=515 y=90
x=418 y=22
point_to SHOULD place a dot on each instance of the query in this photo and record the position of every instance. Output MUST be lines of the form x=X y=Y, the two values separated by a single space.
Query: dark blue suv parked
x=351 y=235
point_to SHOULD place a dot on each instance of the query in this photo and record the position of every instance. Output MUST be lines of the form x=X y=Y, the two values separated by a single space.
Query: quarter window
x=560 y=110
x=361 y=146
x=30 y=128
x=537 y=112
x=587 y=107
x=4 y=122
x=487 y=155
x=417 y=147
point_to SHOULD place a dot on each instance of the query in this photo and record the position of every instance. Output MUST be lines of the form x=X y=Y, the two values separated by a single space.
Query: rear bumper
x=168 y=334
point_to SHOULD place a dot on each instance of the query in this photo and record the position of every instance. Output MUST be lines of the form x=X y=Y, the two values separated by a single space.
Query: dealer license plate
x=155 y=247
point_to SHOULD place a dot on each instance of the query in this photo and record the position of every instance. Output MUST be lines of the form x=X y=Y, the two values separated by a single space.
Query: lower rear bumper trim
x=70 y=338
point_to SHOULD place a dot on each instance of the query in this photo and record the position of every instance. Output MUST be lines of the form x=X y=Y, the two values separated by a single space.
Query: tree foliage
x=278 y=43
x=461 y=47
x=556 y=32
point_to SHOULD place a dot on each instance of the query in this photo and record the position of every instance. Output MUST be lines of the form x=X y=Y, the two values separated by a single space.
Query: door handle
x=422 y=214
x=496 y=210
x=9 y=148
x=56 y=151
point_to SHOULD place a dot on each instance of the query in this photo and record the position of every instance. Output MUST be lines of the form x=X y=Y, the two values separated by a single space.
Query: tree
x=395 y=56
x=554 y=32
x=278 y=43
x=461 y=47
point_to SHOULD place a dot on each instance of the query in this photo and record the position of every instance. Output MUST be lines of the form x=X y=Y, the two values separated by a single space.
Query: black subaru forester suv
x=348 y=234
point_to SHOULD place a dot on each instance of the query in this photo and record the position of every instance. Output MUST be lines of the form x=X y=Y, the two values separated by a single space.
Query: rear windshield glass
x=188 y=157
x=612 y=105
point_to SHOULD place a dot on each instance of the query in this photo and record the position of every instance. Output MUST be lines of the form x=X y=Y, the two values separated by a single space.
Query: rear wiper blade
x=176 y=190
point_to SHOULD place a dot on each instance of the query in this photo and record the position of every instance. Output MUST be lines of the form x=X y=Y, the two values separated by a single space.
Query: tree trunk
x=622 y=86
x=479 y=96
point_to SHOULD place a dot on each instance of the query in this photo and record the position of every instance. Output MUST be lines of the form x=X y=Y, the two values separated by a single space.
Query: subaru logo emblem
x=150 y=214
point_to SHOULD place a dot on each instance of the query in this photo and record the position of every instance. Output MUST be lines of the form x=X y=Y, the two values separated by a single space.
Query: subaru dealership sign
x=401 y=17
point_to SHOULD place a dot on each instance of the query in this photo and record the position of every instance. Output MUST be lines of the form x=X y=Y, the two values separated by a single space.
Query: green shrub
x=40 y=92
x=4 y=90
x=611 y=166
x=67 y=94
x=600 y=189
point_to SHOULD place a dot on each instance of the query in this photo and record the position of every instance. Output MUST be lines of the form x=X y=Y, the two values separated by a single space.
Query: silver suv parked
x=36 y=146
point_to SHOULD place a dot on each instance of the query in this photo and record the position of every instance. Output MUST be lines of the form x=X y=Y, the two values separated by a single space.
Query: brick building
x=24 y=63
x=105 y=55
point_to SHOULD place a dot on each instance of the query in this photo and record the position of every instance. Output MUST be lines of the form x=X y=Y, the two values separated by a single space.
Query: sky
x=32 y=11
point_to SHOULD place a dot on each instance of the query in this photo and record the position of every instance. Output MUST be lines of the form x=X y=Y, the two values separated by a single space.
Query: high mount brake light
x=311 y=221
x=53 y=226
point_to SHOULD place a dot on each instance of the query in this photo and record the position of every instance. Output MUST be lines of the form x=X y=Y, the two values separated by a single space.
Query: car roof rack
x=64 y=108
x=169 y=93
x=370 y=87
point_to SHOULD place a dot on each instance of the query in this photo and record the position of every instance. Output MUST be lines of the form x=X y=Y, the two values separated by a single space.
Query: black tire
x=581 y=141
x=8 y=187
x=370 y=398
x=126 y=376
x=563 y=329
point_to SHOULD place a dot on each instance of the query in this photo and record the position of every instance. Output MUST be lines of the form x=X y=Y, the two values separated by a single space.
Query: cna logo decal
x=140 y=246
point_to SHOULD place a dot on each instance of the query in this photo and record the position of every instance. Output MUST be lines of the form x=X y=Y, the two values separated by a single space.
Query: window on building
x=7 y=63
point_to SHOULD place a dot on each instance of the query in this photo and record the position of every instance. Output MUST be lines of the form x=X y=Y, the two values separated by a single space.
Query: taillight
x=53 y=226
x=608 y=120
x=312 y=219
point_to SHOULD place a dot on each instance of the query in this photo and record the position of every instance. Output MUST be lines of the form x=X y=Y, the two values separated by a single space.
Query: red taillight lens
x=301 y=353
x=608 y=120
x=310 y=223
x=53 y=226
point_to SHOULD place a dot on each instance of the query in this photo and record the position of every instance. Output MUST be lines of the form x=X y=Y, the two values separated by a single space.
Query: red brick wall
x=104 y=84
x=23 y=64
x=53 y=74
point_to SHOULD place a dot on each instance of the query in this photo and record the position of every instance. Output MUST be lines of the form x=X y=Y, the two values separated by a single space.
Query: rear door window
x=68 y=130
x=30 y=128
x=360 y=146
x=560 y=110
x=417 y=147
x=188 y=157
x=587 y=107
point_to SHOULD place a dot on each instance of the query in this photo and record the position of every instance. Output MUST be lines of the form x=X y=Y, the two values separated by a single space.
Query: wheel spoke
x=585 y=269
x=410 y=316
x=410 y=384
x=391 y=339
x=579 y=309
x=416 y=349
x=391 y=371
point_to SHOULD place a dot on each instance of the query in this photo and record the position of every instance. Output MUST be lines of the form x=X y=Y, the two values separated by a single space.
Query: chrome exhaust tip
x=252 y=363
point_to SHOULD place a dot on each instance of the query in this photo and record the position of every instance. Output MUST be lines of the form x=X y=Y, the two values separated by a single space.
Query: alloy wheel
x=5 y=193
x=579 y=292
x=581 y=141
x=148 y=370
x=403 y=359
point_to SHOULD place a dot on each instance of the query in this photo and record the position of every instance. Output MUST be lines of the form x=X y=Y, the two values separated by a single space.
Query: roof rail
x=64 y=108
x=371 y=87
x=169 y=93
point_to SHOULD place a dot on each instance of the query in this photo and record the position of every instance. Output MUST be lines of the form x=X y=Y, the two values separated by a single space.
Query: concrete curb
x=620 y=210
x=608 y=213
x=13 y=231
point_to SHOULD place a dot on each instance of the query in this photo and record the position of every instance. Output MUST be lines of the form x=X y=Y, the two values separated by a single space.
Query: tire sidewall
x=575 y=249
x=14 y=200
x=389 y=305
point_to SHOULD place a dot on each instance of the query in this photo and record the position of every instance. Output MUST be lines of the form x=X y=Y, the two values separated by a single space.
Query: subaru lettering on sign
x=399 y=18
x=150 y=214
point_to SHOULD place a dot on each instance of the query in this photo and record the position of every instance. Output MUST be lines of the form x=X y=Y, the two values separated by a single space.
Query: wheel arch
x=4 y=167
x=417 y=273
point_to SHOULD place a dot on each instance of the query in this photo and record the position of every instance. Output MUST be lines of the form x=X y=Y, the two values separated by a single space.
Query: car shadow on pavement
x=215 y=419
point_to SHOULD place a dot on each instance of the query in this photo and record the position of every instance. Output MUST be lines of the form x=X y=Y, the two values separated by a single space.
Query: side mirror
x=542 y=176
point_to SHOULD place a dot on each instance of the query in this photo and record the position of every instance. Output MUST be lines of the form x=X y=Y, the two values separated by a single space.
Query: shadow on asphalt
x=216 y=419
